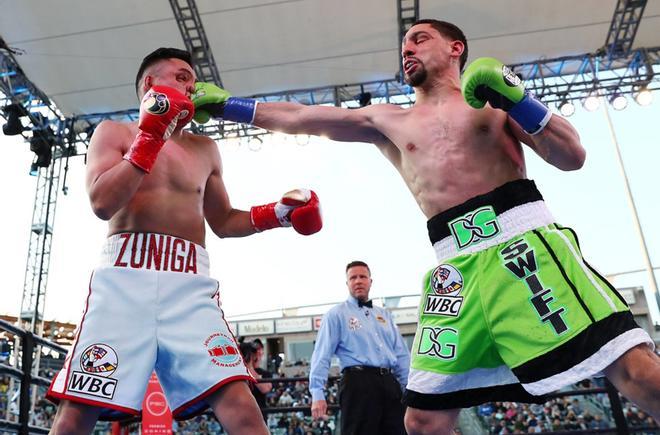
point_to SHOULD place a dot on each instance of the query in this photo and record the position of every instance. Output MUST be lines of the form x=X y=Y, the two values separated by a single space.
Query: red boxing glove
x=163 y=110
x=299 y=208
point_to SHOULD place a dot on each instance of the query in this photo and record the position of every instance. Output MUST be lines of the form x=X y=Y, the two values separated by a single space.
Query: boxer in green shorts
x=513 y=311
x=511 y=301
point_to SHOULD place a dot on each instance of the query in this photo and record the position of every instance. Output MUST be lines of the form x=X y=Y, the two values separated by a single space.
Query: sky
x=368 y=215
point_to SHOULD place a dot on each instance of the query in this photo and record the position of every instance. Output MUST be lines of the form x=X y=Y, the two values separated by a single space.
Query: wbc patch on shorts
x=97 y=363
x=444 y=299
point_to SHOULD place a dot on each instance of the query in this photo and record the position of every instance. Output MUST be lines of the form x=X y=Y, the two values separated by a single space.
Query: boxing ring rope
x=29 y=342
x=620 y=428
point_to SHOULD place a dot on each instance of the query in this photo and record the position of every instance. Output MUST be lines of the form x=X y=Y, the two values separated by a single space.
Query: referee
x=373 y=357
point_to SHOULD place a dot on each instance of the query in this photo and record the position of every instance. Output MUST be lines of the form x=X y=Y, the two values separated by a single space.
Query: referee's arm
x=325 y=346
x=402 y=355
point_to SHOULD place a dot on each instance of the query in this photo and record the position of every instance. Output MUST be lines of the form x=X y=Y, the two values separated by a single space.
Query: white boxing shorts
x=151 y=305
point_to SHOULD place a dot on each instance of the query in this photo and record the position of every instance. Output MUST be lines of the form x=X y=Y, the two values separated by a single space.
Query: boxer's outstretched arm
x=111 y=180
x=347 y=125
x=340 y=124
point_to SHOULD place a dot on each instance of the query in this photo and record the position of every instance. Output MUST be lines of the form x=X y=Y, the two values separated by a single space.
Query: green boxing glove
x=488 y=80
x=212 y=101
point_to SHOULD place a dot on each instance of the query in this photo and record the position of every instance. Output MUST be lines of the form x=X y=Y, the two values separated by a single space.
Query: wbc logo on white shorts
x=97 y=363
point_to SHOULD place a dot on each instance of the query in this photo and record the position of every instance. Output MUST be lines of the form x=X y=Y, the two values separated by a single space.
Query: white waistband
x=156 y=252
x=513 y=222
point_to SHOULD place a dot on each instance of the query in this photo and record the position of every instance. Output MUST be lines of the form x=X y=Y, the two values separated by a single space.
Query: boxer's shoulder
x=377 y=110
x=113 y=134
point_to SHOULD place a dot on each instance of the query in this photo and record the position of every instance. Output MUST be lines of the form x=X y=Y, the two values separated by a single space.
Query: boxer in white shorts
x=136 y=320
x=151 y=304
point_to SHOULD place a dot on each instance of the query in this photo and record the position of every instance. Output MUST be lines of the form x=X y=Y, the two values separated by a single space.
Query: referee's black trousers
x=370 y=403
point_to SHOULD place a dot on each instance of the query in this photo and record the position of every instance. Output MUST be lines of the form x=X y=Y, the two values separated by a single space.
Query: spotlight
x=41 y=144
x=13 y=113
x=644 y=97
x=34 y=169
x=364 y=99
x=566 y=108
x=618 y=101
x=591 y=103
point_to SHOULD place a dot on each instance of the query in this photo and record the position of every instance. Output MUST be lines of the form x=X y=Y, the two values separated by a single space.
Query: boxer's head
x=429 y=47
x=160 y=62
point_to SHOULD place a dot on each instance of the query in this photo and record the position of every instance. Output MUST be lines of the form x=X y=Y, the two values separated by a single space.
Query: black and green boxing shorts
x=513 y=311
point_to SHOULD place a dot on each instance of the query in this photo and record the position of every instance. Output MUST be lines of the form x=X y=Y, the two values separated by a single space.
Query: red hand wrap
x=162 y=111
x=263 y=217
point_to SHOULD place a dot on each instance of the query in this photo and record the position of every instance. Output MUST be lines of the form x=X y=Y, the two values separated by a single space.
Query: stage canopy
x=84 y=53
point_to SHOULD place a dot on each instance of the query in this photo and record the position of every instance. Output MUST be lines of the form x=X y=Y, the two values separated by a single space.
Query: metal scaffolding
x=43 y=116
x=575 y=77
x=194 y=37
x=625 y=22
x=407 y=12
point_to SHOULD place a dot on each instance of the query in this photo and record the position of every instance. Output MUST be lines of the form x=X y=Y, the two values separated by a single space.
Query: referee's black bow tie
x=365 y=304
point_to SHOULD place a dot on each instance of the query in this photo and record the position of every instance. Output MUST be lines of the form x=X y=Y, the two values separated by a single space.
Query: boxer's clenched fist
x=298 y=208
x=162 y=110
x=212 y=101
x=488 y=80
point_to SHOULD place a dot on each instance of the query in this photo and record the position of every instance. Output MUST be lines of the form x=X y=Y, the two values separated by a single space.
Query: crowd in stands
x=559 y=414
x=283 y=394
x=562 y=414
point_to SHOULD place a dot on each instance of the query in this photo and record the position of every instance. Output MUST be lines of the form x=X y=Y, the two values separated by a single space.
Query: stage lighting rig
x=643 y=96
x=364 y=99
x=618 y=101
x=41 y=144
x=13 y=113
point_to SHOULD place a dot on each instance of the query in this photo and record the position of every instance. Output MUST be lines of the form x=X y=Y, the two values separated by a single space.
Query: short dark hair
x=160 y=54
x=258 y=343
x=451 y=31
x=357 y=263
x=248 y=350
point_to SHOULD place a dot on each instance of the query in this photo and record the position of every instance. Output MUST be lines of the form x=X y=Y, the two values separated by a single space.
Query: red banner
x=156 y=415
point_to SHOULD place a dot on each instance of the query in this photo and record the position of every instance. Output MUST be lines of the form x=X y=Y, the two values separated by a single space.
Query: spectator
x=250 y=352
x=285 y=399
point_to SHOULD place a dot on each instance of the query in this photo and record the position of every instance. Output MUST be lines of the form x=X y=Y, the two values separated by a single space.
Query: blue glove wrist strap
x=531 y=114
x=240 y=110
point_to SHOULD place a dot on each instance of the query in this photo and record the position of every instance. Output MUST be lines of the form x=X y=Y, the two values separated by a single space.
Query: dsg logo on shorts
x=222 y=350
x=475 y=226
x=438 y=343
x=444 y=300
x=156 y=103
x=97 y=363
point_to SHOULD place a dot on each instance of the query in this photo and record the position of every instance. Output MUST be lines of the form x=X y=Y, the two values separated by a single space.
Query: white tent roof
x=84 y=54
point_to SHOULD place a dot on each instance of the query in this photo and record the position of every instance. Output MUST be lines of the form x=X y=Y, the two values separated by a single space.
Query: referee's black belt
x=367 y=369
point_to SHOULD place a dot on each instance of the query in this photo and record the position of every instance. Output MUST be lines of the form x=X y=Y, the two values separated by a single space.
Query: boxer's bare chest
x=449 y=153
